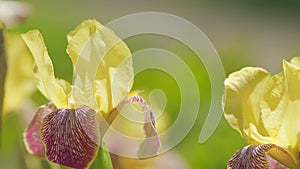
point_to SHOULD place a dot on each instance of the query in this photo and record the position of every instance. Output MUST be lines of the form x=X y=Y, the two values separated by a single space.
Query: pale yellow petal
x=86 y=48
x=280 y=108
x=255 y=137
x=296 y=61
x=243 y=90
x=39 y=82
x=78 y=38
x=117 y=67
x=292 y=76
x=66 y=86
x=121 y=81
x=44 y=69
x=275 y=111
x=273 y=104
x=291 y=120
x=101 y=93
x=97 y=53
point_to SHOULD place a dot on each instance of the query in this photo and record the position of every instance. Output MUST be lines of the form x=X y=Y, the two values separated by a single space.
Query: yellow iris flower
x=68 y=131
x=90 y=43
x=265 y=110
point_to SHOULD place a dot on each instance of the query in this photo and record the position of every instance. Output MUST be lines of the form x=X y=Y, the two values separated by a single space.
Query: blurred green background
x=245 y=33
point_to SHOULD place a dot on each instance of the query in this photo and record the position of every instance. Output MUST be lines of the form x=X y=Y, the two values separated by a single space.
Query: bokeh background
x=245 y=33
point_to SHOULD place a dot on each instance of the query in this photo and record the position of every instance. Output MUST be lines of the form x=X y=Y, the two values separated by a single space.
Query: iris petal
x=86 y=50
x=296 y=61
x=115 y=72
x=241 y=99
x=65 y=85
x=257 y=157
x=44 y=72
x=279 y=107
x=32 y=134
x=292 y=74
x=151 y=145
x=279 y=115
x=97 y=53
x=78 y=38
x=71 y=137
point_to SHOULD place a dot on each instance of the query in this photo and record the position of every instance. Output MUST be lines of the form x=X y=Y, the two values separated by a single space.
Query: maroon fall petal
x=71 y=137
x=254 y=157
x=151 y=145
x=32 y=134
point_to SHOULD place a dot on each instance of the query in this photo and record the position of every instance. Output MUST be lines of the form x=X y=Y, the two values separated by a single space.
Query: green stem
x=3 y=69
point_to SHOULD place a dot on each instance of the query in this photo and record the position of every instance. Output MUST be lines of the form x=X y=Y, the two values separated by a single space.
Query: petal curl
x=241 y=99
x=44 y=73
x=150 y=147
x=32 y=135
x=71 y=137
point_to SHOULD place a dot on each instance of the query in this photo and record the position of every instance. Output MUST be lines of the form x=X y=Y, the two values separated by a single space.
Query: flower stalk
x=3 y=70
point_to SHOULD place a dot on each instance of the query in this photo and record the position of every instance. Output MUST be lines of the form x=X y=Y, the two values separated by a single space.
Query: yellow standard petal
x=102 y=62
x=86 y=49
x=115 y=72
x=292 y=114
x=44 y=73
x=243 y=90
x=273 y=103
x=280 y=105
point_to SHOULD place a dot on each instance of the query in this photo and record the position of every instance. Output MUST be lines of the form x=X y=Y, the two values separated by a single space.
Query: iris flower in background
x=67 y=130
x=265 y=110
x=19 y=83
x=12 y=12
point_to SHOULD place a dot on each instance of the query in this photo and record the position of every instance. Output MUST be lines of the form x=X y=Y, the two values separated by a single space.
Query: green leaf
x=64 y=167
x=3 y=69
x=102 y=160
x=56 y=166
